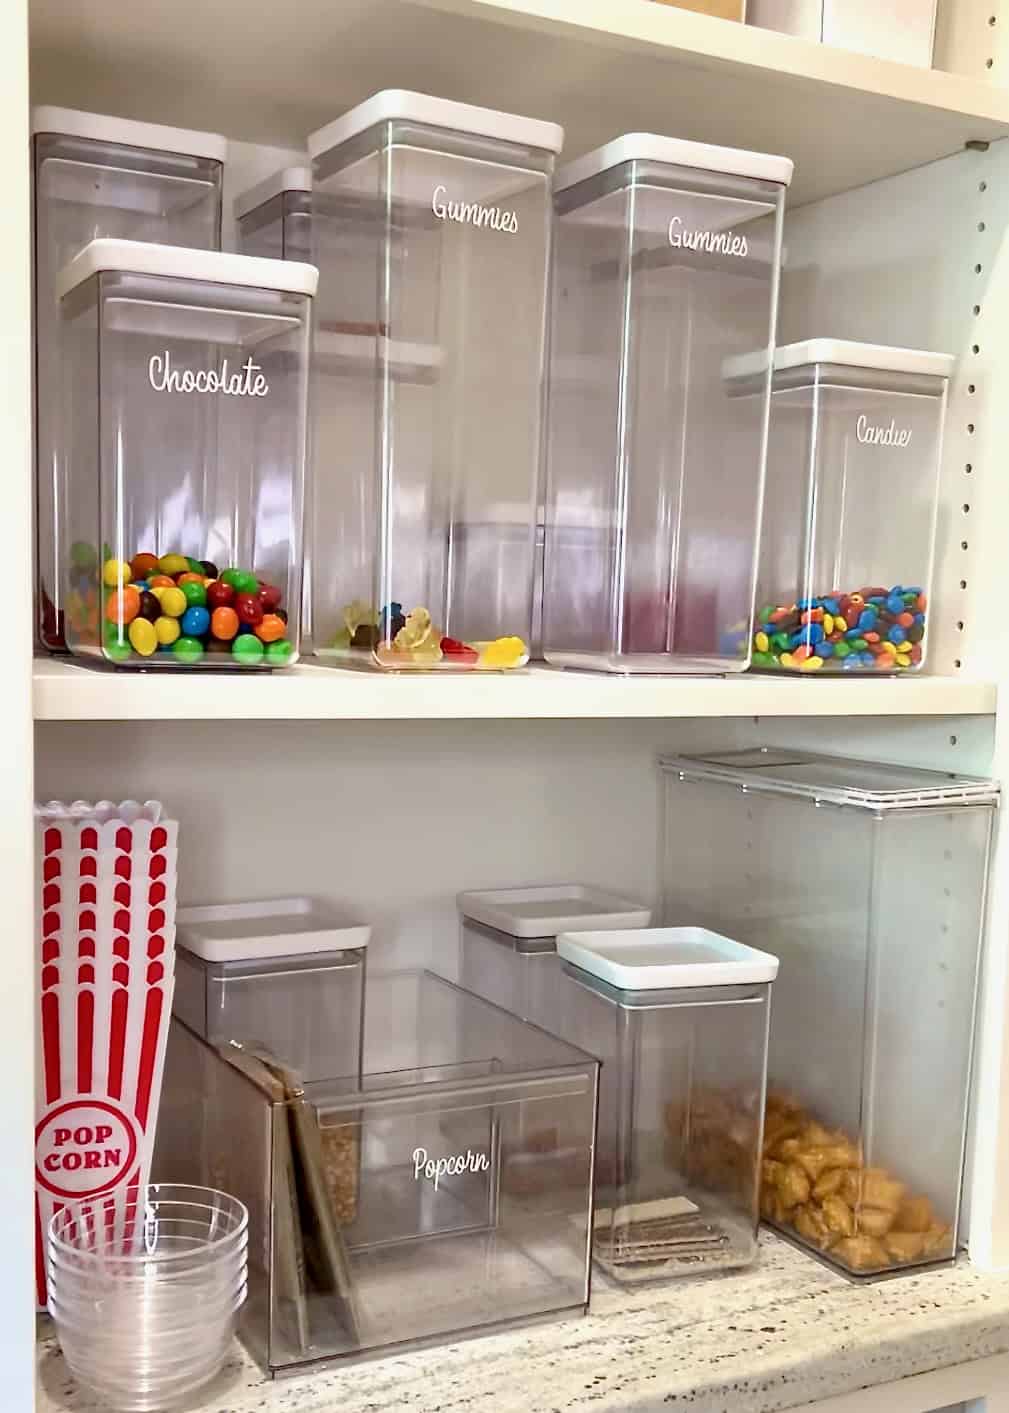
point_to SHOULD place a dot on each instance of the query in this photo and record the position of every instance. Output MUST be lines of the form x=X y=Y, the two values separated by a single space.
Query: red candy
x=219 y=595
x=269 y=596
x=460 y=652
x=249 y=609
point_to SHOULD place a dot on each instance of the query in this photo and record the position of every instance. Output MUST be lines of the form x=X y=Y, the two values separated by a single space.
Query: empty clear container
x=868 y=881
x=508 y=943
x=431 y=230
x=185 y=388
x=99 y=176
x=840 y=586
x=666 y=264
x=286 y=976
x=274 y=218
x=679 y=1018
x=448 y=1192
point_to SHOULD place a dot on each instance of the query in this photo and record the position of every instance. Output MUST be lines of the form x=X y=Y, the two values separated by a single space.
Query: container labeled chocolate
x=846 y=550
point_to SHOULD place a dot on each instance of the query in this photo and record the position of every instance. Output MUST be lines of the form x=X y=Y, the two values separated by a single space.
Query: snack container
x=185 y=386
x=274 y=218
x=843 y=586
x=679 y=1018
x=868 y=880
x=447 y=1192
x=508 y=943
x=431 y=231
x=667 y=257
x=902 y=30
x=101 y=176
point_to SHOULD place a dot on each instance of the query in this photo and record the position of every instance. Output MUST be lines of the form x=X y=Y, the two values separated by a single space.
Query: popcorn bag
x=106 y=888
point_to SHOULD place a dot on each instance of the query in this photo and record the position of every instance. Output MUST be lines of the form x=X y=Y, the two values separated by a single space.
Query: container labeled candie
x=101 y=176
x=185 y=391
x=852 y=493
x=868 y=881
x=667 y=256
x=679 y=1017
x=431 y=231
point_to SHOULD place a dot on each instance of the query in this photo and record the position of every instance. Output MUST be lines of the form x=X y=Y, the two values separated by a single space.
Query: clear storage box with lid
x=667 y=257
x=431 y=230
x=868 y=881
x=508 y=942
x=274 y=218
x=850 y=516
x=285 y=975
x=185 y=389
x=678 y=1017
x=101 y=176
x=448 y=1192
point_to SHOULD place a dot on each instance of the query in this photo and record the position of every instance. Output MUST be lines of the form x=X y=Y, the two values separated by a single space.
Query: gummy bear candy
x=460 y=653
x=418 y=636
x=504 y=652
x=357 y=613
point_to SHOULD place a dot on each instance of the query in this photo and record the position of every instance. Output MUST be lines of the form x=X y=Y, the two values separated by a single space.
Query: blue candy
x=852 y=634
x=796 y=640
x=140 y=584
x=814 y=632
x=919 y=618
x=895 y=604
x=896 y=634
x=804 y=604
x=867 y=618
x=825 y=649
x=866 y=659
x=832 y=606
x=195 y=621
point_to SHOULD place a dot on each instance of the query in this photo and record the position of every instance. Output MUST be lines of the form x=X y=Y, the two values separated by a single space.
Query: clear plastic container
x=285 y=975
x=185 y=388
x=431 y=230
x=868 y=882
x=902 y=30
x=508 y=943
x=274 y=218
x=840 y=586
x=98 y=176
x=667 y=256
x=678 y=1017
x=449 y=1192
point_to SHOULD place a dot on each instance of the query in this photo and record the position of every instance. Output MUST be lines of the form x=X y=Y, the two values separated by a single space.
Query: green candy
x=187 y=649
x=841 y=650
x=247 y=648
x=780 y=641
x=757 y=659
x=196 y=594
x=117 y=645
x=231 y=576
x=279 y=654
x=246 y=583
x=83 y=556
x=765 y=614
x=195 y=565
x=860 y=645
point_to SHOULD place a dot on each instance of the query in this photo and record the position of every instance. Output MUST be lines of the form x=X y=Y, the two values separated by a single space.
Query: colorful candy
x=872 y=629
x=400 y=640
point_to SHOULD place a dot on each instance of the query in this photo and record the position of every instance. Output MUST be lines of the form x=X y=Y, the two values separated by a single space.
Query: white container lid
x=546 y=911
x=851 y=354
x=278 y=927
x=397 y=103
x=664 y=958
x=97 y=127
x=677 y=152
x=289 y=179
x=138 y=257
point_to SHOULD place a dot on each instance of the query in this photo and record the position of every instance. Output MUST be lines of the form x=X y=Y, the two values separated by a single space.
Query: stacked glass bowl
x=145 y=1289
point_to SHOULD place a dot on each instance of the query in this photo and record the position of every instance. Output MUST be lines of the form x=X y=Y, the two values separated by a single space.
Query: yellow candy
x=903 y=661
x=787 y=660
x=166 y=629
x=356 y=614
x=143 y=638
x=761 y=642
x=503 y=652
x=173 y=601
x=828 y=625
x=810 y=664
x=173 y=564
x=889 y=647
x=418 y=634
x=115 y=573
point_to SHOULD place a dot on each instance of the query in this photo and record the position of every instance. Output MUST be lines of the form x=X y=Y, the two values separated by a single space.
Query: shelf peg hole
x=959 y=625
x=969 y=467
x=966 y=507
x=963 y=583
x=970 y=428
x=982 y=186
x=953 y=740
x=972 y=387
x=975 y=348
x=981 y=225
x=977 y=269
x=963 y=544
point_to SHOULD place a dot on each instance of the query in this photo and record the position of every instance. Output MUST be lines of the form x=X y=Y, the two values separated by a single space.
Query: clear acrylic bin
x=667 y=256
x=431 y=230
x=286 y=976
x=447 y=1193
x=868 y=882
x=840 y=587
x=508 y=943
x=274 y=218
x=185 y=386
x=902 y=30
x=679 y=1018
x=100 y=176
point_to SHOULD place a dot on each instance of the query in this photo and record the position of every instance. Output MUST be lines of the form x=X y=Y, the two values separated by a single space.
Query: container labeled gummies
x=679 y=1018
x=666 y=264
x=431 y=231
x=100 y=176
x=868 y=881
x=185 y=390
x=274 y=218
x=852 y=494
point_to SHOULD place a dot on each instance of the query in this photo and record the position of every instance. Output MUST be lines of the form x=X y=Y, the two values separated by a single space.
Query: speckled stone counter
x=784 y=1333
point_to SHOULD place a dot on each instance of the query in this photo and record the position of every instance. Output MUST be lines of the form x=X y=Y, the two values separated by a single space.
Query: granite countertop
x=784 y=1333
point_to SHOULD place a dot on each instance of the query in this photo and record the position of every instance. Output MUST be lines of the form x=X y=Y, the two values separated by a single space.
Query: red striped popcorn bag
x=106 y=888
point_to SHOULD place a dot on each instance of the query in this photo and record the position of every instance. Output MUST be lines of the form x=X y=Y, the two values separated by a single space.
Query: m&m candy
x=871 y=628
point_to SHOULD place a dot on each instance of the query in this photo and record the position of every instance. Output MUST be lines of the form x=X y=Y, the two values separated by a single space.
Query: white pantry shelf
x=599 y=67
x=65 y=691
